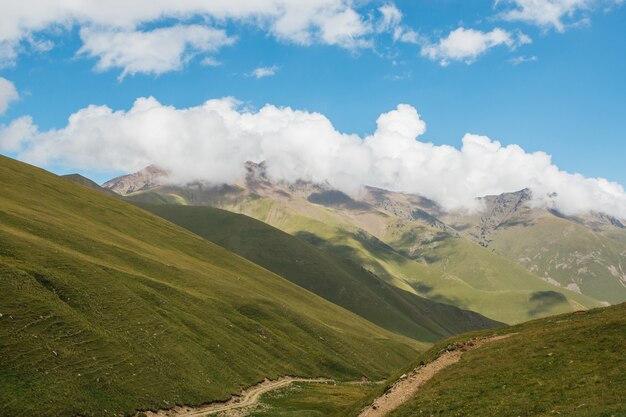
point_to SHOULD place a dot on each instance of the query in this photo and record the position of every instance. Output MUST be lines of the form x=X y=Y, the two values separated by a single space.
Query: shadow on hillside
x=338 y=199
x=544 y=301
x=375 y=247
x=426 y=292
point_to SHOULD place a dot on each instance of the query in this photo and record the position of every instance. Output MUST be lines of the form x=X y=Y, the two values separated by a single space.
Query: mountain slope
x=335 y=279
x=569 y=365
x=585 y=254
x=105 y=309
x=77 y=178
x=379 y=239
x=485 y=271
x=147 y=178
x=457 y=272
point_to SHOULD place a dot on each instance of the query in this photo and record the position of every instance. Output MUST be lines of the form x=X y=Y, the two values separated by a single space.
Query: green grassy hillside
x=570 y=365
x=584 y=253
x=568 y=253
x=459 y=272
x=335 y=279
x=509 y=285
x=476 y=279
x=105 y=308
x=89 y=184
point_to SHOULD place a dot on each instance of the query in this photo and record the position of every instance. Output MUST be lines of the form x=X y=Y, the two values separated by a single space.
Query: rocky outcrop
x=149 y=177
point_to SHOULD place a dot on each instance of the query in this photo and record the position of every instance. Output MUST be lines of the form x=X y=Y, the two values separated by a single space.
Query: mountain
x=583 y=254
x=77 y=178
x=382 y=232
x=147 y=178
x=106 y=309
x=333 y=278
x=570 y=365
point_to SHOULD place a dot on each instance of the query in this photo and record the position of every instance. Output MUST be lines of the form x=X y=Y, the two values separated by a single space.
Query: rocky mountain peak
x=256 y=170
x=149 y=177
x=507 y=202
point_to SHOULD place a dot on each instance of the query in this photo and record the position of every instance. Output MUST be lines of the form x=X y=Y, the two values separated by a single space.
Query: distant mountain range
x=510 y=261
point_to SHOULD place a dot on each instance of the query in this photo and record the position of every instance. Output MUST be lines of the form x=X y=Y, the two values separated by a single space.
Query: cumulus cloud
x=14 y=136
x=212 y=142
x=153 y=52
x=391 y=21
x=334 y=22
x=551 y=13
x=263 y=72
x=468 y=44
x=8 y=93
x=345 y=28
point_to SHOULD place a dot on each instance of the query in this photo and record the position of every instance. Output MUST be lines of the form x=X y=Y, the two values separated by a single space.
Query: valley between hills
x=312 y=208
x=141 y=296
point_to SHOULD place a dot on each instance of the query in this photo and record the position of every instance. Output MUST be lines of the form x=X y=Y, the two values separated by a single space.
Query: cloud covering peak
x=212 y=142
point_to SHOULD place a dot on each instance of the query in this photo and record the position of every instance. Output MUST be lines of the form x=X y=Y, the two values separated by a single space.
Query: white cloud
x=391 y=21
x=212 y=142
x=16 y=134
x=263 y=72
x=154 y=52
x=8 y=93
x=11 y=48
x=344 y=28
x=551 y=13
x=210 y=61
x=468 y=44
x=333 y=22
x=523 y=59
x=8 y=53
x=39 y=45
x=391 y=16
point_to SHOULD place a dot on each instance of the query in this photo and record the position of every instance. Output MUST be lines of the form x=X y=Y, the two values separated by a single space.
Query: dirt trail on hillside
x=248 y=398
x=408 y=385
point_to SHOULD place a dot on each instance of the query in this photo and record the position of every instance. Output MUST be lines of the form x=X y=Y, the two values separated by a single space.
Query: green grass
x=312 y=400
x=333 y=278
x=496 y=284
x=568 y=253
x=571 y=365
x=107 y=309
x=459 y=272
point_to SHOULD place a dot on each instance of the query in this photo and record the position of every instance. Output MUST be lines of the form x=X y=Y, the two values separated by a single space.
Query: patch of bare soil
x=408 y=385
x=236 y=405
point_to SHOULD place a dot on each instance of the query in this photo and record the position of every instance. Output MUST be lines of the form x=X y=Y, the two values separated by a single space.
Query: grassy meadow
x=332 y=277
x=106 y=309
x=571 y=365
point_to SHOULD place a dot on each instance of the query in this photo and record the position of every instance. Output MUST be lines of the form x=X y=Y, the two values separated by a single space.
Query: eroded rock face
x=149 y=177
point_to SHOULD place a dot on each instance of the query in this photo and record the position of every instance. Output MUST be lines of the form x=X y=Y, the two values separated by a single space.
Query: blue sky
x=568 y=97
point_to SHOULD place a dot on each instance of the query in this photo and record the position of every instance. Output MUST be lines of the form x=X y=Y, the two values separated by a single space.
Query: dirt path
x=248 y=398
x=406 y=387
